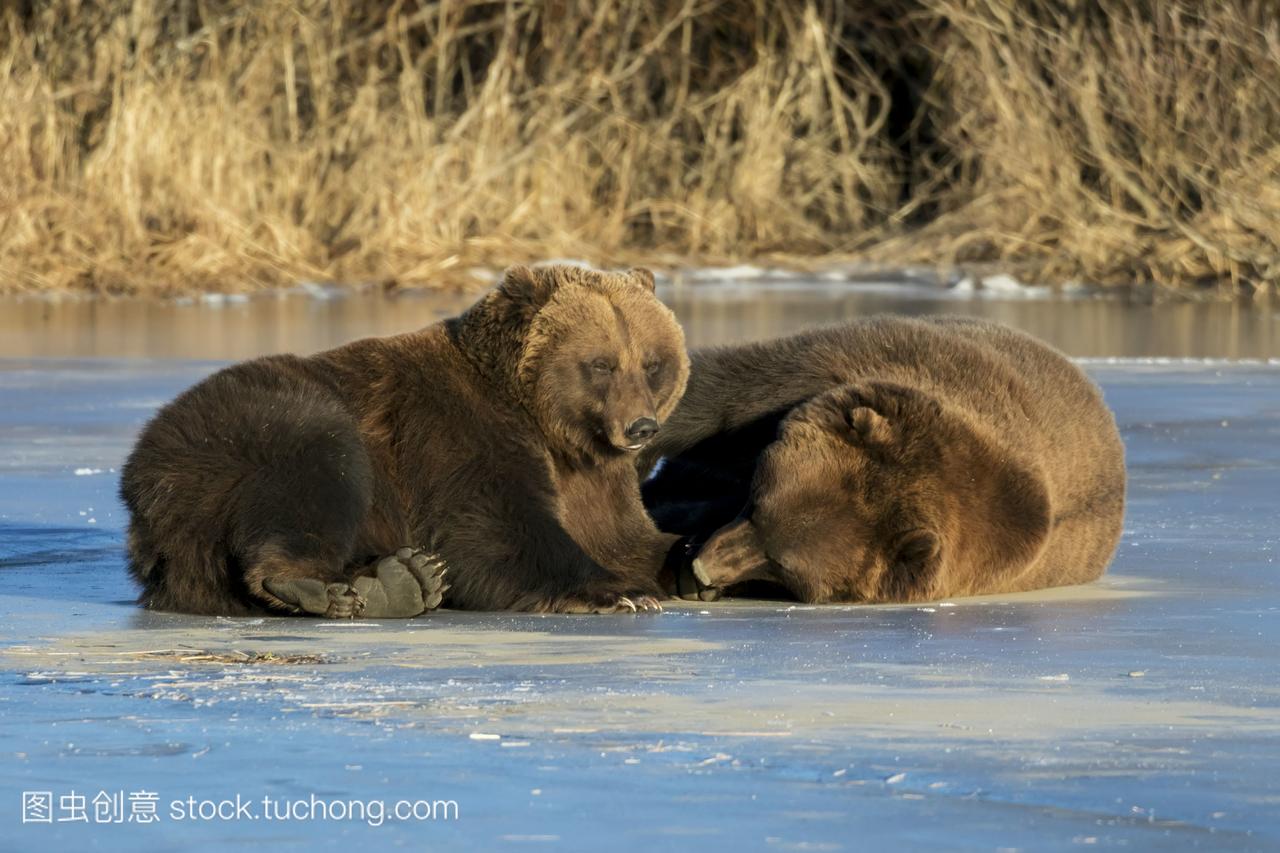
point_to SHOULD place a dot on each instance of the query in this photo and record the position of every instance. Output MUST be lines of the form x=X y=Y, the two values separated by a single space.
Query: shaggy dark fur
x=497 y=447
x=889 y=459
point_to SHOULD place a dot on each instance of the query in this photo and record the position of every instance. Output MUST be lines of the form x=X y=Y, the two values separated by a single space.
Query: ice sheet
x=1143 y=710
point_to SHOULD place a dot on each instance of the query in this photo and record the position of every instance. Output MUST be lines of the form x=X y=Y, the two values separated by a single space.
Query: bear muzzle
x=639 y=433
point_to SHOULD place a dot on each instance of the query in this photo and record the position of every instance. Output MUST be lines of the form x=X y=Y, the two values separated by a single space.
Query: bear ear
x=644 y=276
x=868 y=427
x=918 y=547
x=1015 y=515
x=849 y=412
x=913 y=566
x=525 y=289
x=899 y=402
x=1003 y=521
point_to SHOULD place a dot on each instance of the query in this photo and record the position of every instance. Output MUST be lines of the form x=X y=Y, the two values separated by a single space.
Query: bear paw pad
x=408 y=583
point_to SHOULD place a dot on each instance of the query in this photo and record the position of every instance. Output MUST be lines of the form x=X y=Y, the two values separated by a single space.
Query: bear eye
x=652 y=368
x=601 y=366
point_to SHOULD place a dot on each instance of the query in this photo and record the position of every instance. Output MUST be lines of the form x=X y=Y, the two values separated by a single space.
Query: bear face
x=877 y=492
x=603 y=362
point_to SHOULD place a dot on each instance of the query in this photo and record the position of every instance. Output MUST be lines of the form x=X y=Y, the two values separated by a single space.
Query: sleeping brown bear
x=497 y=446
x=889 y=459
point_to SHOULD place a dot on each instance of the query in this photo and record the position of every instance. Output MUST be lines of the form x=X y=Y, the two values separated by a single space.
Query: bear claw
x=639 y=604
x=606 y=604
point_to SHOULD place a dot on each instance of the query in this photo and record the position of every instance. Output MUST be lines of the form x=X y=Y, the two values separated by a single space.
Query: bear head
x=880 y=492
x=595 y=357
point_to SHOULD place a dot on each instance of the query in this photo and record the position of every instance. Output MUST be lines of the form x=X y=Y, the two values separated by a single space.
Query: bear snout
x=639 y=432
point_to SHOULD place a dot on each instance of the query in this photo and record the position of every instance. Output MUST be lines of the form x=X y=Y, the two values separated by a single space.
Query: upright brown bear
x=889 y=460
x=498 y=446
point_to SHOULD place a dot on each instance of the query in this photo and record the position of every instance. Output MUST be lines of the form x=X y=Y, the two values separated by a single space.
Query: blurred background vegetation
x=166 y=146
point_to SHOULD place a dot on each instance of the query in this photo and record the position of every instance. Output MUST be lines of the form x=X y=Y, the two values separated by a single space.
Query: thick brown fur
x=891 y=459
x=502 y=442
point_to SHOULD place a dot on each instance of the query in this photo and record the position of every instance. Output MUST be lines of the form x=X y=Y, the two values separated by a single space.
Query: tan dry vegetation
x=1108 y=142
x=173 y=145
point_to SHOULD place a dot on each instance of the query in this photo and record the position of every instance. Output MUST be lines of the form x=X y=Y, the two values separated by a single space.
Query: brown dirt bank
x=174 y=145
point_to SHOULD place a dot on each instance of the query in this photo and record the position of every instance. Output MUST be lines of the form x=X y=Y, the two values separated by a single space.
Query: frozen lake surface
x=1141 y=711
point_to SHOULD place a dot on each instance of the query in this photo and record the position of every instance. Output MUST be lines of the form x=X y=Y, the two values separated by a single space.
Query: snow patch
x=742 y=272
x=1001 y=285
x=321 y=291
x=218 y=300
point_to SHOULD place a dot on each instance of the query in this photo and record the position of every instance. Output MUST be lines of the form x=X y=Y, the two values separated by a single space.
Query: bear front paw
x=316 y=598
x=732 y=555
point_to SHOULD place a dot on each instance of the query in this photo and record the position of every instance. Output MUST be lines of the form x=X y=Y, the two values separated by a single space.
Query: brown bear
x=498 y=446
x=889 y=460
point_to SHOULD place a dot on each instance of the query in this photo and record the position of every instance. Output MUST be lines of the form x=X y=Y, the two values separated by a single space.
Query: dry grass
x=234 y=656
x=172 y=145
x=1109 y=141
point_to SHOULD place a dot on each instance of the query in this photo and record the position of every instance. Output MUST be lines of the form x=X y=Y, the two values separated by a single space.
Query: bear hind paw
x=408 y=583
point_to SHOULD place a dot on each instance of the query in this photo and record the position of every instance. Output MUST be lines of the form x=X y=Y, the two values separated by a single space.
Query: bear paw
x=732 y=555
x=317 y=598
x=408 y=583
x=608 y=603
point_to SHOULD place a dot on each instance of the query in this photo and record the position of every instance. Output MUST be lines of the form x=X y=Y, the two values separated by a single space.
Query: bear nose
x=641 y=429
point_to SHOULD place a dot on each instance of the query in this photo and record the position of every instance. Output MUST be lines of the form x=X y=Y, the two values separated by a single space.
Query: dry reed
x=172 y=145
